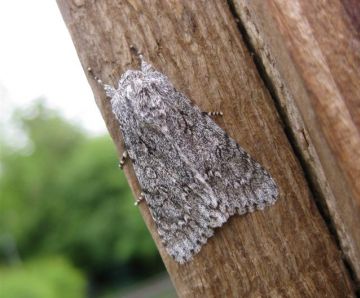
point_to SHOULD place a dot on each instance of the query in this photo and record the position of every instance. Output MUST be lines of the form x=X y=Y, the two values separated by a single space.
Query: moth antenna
x=109 y=90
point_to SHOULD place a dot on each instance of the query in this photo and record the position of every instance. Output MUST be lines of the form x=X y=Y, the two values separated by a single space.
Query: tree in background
x=62 y=194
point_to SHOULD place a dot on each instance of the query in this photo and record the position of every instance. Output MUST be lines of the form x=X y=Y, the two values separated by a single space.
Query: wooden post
x=309 y=51
x=286 y=250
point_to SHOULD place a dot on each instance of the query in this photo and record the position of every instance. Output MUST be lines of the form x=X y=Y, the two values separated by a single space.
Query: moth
x=192 y=174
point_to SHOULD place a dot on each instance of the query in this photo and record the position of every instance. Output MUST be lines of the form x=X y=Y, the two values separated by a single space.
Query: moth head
x=145 y=91
x=145 y=67
x=150 y=103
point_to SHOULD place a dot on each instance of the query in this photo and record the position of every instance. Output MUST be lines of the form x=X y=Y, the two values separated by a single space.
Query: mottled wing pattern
x=193 y=175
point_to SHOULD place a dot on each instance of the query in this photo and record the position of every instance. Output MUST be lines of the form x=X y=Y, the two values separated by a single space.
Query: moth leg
x=141 y=198
x=109 y=90
x=135 y=50
x=214 y=113
x=100 y=82
x=123 y=159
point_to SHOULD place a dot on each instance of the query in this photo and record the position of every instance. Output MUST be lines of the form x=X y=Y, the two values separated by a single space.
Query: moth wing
x=193 y=175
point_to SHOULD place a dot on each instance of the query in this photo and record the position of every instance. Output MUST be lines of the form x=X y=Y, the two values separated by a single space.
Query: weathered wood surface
x=284 y=251
x=310 y=52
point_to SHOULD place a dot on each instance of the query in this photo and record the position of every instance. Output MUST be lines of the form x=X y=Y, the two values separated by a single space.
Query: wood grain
x=310 y=54
x=285 y=251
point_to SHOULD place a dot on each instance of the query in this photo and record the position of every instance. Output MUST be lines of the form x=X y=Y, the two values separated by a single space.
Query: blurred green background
x=68 y=226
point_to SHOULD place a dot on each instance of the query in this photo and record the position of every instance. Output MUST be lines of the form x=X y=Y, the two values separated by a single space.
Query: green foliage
x=46 y=278
x=64 y=194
